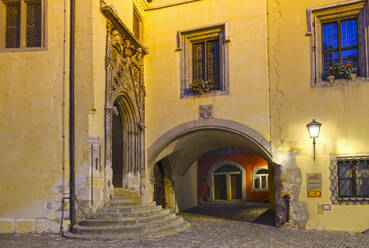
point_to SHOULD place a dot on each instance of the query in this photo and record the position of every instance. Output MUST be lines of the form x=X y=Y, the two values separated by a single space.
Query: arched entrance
x=227 y=181
x=124 y=112
x=182 y=146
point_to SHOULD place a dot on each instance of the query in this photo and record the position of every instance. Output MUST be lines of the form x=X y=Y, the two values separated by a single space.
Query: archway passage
x=182 y=150
x=117 y=150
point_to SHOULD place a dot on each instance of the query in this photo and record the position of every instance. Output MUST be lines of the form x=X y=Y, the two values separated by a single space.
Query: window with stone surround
x=337 y=34
x=349 y=179
x=204 y=57
x=259 y=179
x=23 y=25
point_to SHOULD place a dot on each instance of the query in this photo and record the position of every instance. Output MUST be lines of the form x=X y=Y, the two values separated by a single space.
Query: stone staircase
x=125 y=218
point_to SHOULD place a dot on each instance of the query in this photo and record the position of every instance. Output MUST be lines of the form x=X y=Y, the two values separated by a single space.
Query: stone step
x=122 y=203
x=119 y=192
x=148 y=227
x=117 y=215
x=129 y=209
x=126 y=221
x=125 y=218
x=130 y=236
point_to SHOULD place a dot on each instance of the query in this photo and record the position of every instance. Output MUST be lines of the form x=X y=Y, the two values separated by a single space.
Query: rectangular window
x=349 y=179
x=34 y=24
x=340 y=43
x=204 y=60
x=24 y=24
x=13 y=25
x=338 y=35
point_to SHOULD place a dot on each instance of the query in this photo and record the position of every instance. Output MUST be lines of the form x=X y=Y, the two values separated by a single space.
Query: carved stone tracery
x=125 y=97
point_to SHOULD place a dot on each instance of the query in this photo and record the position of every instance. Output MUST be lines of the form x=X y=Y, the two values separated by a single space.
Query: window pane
x=345 y=187
x=349 y=33
x=34 y=24
x=362 y=187
x=257 y=182
x=329 y=59
x=362 y=168
x=350 y=56
x=262 y=171
x=263 y=182
x=12 y=25
x=198 y=61
x=330 y=36
x=344 y=170
x=212 y=53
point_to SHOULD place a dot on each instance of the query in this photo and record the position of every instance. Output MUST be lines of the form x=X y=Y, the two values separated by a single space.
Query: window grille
x=206 y=61
x=34 y=24
x=353 y=177
x=13 y=25
x=349 y=179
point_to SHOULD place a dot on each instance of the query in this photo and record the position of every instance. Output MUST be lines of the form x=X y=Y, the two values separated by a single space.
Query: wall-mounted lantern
x=314 y=129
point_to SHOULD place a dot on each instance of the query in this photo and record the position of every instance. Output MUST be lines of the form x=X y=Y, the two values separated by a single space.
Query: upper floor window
x=340 y=43
x=137 y=24
x=338 y=37
x=204 y=58
x=206 y=61
x=23 y=26
x=260 y=179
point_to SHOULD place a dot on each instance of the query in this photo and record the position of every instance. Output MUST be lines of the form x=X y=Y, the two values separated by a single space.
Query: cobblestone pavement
x=206 y=231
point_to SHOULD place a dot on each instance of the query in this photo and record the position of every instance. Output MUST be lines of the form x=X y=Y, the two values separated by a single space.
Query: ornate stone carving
x=206 y=112
x=125 y=96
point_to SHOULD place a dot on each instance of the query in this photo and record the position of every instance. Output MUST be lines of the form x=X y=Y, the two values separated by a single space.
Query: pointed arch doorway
x=117 y=149
x=126 y=142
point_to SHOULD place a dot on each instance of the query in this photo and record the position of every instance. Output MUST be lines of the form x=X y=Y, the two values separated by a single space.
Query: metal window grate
x=206 y=61
x=198 y=61
x=212 y=59
x=13 y=25
x=34 y=24
x=353 y=177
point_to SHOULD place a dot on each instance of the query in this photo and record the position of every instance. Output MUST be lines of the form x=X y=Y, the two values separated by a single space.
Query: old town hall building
x=154 y=107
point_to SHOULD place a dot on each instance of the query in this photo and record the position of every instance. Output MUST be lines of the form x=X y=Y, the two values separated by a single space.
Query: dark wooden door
x=159 y=193
x=220 y=185
x=117 y=151
x=236 y=184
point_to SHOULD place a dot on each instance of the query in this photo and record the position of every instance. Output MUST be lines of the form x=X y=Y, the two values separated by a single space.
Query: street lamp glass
x=314 y=129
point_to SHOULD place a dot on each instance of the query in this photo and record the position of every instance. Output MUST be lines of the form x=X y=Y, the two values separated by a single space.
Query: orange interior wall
x=247 y=160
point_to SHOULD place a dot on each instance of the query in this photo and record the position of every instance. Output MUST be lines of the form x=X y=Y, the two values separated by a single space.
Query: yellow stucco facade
x=267 y=104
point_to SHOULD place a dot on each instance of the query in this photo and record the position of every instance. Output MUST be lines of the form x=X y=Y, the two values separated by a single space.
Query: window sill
x=207 y=94
x=23 y=49
x=353 y=201
x=340 y=82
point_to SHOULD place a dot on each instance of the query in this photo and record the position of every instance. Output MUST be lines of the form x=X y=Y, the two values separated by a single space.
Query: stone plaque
x=314 y=184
